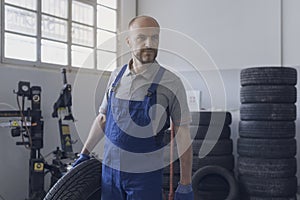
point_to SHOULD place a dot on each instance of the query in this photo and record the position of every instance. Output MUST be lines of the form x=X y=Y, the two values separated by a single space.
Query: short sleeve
x=179 y=110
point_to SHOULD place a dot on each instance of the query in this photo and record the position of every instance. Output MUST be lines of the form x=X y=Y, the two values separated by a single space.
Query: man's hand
x=82 y=158
x=184 y=192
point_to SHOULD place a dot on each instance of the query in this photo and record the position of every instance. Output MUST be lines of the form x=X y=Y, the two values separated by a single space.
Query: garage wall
x=236 y=34
x=14 y=160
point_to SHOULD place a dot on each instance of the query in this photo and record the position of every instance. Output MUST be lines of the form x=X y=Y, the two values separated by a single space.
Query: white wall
x=235 y=33
x=291 y=32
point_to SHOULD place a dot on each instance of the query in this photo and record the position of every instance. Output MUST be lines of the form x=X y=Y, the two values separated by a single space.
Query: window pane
x=106 y=18
x=106 y=40
x=54 y=52
x=55 y=7
x=82 y=12
x=106 y=60
x=108 y=3
x=82 y=57
x=31 y=4
x=19 y=47
x=20 y=20
x=54 y=28
x=82 y=35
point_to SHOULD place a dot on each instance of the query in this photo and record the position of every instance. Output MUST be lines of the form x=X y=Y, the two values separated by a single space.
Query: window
x=77 y=33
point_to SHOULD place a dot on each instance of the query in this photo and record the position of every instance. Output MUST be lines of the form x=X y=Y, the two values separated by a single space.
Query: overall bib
x=133 y=155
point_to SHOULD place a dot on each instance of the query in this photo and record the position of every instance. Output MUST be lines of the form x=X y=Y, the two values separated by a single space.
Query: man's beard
x=141 y=53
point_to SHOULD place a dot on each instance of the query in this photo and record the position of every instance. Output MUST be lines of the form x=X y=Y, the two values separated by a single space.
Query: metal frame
x=38 y=63
x=2 y=30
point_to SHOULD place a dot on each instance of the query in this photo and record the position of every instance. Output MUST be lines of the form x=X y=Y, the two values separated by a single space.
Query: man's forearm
x=185 y=152
x=95 y=135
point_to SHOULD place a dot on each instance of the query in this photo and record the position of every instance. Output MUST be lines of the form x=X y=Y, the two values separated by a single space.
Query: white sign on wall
x=194 y=100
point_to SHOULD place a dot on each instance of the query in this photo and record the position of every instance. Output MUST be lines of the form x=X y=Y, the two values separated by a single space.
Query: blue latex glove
x=184 y=192
x=82 y=158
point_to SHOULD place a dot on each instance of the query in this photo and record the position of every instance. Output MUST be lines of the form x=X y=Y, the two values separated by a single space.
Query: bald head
x=143 y=22
x=143 y=39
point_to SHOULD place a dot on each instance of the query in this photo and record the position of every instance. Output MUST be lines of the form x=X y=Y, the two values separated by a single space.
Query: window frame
x=38 y=63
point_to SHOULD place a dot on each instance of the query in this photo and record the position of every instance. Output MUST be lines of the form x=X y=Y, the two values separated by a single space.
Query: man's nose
x=149 y=42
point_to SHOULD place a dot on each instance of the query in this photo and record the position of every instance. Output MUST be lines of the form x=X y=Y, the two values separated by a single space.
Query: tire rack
x=266 y=143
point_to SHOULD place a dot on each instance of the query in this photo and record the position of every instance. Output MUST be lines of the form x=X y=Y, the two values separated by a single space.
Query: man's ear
x=128 y=42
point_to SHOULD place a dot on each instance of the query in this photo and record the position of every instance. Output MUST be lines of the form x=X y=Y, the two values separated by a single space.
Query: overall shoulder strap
x=118 y=78
x=156 y=80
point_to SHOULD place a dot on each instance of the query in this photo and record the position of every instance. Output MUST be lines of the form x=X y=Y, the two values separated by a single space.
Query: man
x=134 y=114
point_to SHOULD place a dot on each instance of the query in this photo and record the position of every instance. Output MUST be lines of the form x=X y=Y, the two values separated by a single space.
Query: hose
x=171 y=192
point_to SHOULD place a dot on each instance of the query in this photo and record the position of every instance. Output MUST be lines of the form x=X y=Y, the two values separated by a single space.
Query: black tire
x=167 y=154
x=270 y=198
x=269 y=76
x=268 y=187
x=266 y=112
x=200 y=132
x=212 y=183
x=203 y=172
x=167 y=138
x=211 y=195
x=221 y=147
x=226 y=162
x=268 y=94
x=205 y=118
x=267 y=129
x=266 y=148
x=166 y=182
x=269 y=168
x=80 y=183
x=176 y=168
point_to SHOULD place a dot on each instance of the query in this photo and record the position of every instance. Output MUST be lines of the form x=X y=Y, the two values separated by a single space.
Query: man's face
x=143 y=43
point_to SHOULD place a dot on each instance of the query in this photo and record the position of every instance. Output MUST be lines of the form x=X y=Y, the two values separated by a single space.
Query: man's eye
x=141 y=37
x=155 y=37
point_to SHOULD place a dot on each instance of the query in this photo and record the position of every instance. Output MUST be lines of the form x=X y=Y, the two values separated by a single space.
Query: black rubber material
x=166 y=182
x=268 y=187
x=176 y=168
x=267 y=129
x=266 y=148
x=212 y=183
x=269 y=76
x=268 y=168
x=203 y=172
x=266 y=112
x=211 y=195
x=268 y=94
x=83 y=182
x=200 y=132
x=223 y=161
x=204 y=118
x=269 y=198
x=221 y=147
x=167 y=153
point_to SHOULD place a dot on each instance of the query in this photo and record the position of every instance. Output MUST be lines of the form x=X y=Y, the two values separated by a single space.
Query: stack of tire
x=212 y=169
x=267 y=145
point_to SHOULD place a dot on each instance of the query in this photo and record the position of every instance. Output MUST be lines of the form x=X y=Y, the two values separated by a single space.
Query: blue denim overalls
x=133 y=154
